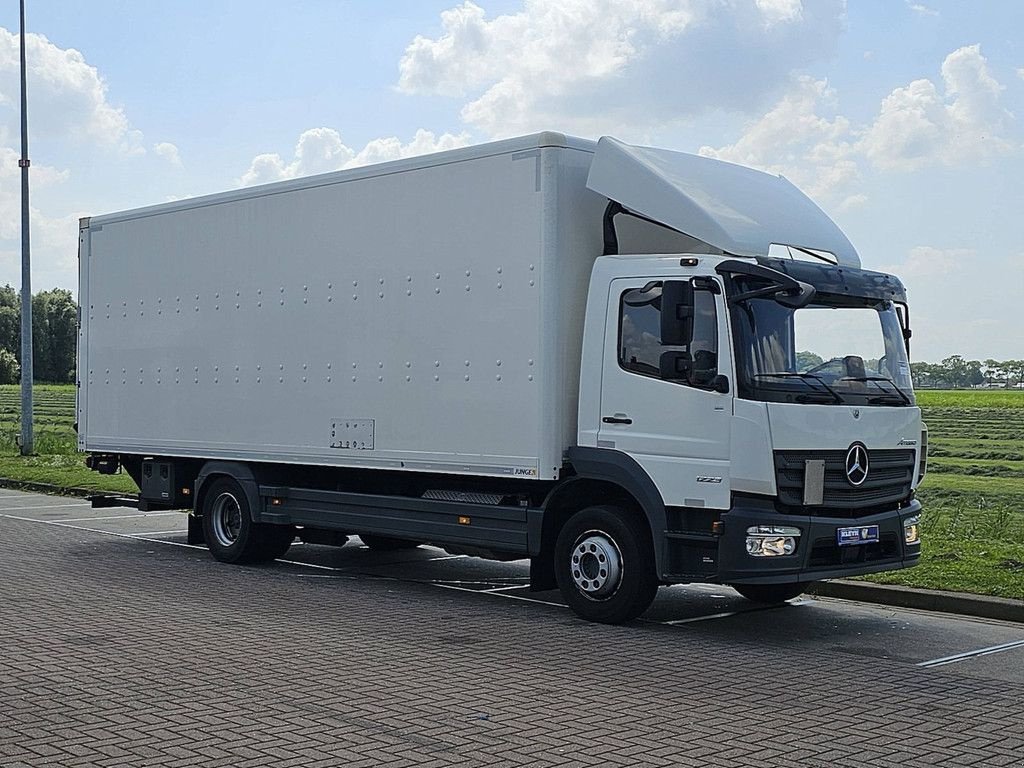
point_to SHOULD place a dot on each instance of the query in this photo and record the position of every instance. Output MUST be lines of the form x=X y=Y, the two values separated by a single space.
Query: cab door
x=662 y=403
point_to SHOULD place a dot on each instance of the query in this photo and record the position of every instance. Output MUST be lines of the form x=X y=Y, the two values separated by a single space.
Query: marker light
x=772 y=540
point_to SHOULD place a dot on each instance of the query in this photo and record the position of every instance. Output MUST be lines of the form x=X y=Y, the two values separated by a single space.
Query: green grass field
x=56 y=460
x=973 y=496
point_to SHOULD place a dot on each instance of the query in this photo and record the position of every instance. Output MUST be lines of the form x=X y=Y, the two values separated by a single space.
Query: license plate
x=862 y=534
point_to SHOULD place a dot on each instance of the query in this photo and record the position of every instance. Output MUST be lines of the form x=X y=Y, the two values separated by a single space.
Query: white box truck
x=633 y=366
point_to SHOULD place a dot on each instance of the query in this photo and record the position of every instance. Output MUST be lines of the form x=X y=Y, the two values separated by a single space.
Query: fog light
x=772 y=540
x=912 y=530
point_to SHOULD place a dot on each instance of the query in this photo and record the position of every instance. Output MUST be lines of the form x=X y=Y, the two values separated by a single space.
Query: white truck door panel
x=678 y=433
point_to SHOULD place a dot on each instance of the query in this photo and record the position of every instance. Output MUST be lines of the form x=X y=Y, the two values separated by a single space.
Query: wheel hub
x=596 y=565
x=227 y=519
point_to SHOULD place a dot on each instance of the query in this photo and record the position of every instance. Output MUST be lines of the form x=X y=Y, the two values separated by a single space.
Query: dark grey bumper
x=818 y=556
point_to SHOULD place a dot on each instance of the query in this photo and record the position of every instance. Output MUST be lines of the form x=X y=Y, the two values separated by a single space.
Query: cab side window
x=641 y=350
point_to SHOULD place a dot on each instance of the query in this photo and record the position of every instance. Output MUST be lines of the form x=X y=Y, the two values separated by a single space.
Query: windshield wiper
x=815 y=397
x=803 y=377
x=875 y=379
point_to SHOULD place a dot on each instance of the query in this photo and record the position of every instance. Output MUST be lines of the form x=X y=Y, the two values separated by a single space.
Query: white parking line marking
x=972 y=654
x=40 y=506
x=503 y=589
x=727 y=614
x=673 y=622
x=309 y=565
x=499 y=594
x=159 y=533
x=61 y=524
x=486 y=582
x=115 y=517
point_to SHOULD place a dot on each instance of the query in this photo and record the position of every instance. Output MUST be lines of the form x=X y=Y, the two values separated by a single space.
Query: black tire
x=604 y=564
x=387 y=543
x=277 y=541
x=230 y=532
x=771 y=593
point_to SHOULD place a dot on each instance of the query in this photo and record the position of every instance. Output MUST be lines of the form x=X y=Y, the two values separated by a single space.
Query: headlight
x=912 y=530
x=772 y=540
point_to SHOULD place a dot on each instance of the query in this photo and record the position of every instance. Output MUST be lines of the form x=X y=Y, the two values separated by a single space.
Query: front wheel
x=771 y=593
x=604 y=564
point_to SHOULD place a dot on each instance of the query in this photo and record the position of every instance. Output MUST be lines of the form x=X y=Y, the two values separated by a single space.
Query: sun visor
x=730 y=207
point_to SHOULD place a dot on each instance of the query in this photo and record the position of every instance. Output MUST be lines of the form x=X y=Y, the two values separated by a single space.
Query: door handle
x=619 y=418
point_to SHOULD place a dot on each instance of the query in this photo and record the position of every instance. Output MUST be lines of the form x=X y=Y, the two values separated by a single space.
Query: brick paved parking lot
x=122 y=646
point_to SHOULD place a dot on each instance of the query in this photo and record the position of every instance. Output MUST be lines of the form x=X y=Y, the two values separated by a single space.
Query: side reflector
x=463 y=520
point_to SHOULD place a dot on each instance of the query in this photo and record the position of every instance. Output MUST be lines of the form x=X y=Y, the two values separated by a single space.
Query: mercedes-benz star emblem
x=856 y=464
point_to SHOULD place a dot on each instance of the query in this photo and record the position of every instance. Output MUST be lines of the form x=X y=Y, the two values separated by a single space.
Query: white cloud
x=67 y=97
x=925 y=261
x=42 y=176
x=1020 y=73
x=593 y=64
x=320 y=150
x=921 y=9
x=168 y=152
x=779 y=11
x=53 y=237
x=920 y=125
x=793 y=140
x=68 y=108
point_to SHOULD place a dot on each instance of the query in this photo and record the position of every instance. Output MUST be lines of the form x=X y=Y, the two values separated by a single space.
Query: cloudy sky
x=904 y=120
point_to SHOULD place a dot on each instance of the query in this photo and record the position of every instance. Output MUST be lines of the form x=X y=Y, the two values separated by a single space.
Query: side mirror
x=676 y=313
x=675 y=366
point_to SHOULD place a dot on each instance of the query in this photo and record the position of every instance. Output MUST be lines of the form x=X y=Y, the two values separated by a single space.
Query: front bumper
x=818 y=556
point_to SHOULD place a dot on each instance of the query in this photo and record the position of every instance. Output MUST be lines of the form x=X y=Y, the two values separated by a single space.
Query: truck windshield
x=836 y=350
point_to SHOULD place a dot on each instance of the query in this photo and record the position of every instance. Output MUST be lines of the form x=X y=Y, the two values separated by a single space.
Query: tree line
x=54 y=335
x=956 y=372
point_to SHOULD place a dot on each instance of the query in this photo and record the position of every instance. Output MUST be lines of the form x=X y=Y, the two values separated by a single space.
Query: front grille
x=889 y=478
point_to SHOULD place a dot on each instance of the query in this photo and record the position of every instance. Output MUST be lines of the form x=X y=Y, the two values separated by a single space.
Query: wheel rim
x=226 y=516
x=596 y=565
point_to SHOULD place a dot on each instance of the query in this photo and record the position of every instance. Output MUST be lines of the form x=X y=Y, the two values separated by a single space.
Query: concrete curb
x=54 y=490
x=1000 y=608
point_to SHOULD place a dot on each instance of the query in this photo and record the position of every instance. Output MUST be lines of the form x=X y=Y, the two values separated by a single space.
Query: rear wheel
x=604 y=564
x=387 y=543
x=771 y=593
x=230 y=532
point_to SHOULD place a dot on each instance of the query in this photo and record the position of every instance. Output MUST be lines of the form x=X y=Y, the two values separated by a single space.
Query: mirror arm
x=769 y=290
x=907 y=332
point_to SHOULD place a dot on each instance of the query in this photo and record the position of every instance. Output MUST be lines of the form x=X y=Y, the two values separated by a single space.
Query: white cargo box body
x=424 y=314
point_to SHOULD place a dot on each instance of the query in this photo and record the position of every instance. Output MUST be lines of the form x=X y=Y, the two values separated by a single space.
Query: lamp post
x=26 y=274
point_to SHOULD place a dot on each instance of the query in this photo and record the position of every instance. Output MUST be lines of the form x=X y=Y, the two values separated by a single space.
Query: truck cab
x=762 y=384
